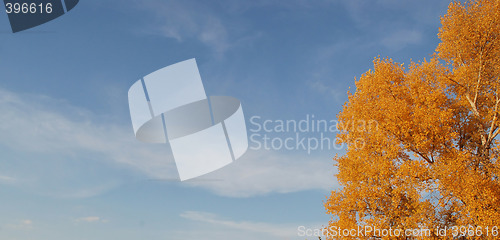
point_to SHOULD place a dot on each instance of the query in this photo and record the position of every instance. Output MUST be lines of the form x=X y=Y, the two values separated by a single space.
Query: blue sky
x=70 y=167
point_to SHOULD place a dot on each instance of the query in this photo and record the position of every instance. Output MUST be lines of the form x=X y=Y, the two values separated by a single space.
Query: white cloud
x=263 y=172
x=44 y=128
x=39 y=124
x=212 y=226
x=88 y=191
x=377 y=19
x=336 y=94
x=402 y=38
x=7 y=179
x=217 y=26
x=25 y=224
x=182 y=20
x=60 y=135
x=276 y=230
x=366 y=13
x=91 y=219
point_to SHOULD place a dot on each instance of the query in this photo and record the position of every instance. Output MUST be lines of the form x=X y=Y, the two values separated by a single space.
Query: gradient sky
x=70 y=167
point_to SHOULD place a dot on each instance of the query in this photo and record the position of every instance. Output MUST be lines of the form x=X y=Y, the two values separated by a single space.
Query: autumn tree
x=432 y=161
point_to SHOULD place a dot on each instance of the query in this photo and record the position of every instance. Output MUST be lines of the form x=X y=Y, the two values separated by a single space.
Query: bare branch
x=476 y=113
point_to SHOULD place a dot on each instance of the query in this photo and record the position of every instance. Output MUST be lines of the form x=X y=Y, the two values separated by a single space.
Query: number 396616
x=28 y=8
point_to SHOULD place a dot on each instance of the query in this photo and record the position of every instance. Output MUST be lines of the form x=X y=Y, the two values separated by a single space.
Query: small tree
x=432 y=162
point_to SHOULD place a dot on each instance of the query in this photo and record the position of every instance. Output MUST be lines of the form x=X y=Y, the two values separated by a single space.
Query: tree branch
x=491 y=134
x=476 y=113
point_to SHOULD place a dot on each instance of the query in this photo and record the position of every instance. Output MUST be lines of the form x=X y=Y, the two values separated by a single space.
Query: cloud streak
x=275 y=230
x=54 y=136
x=264 y=172
x=402 y=38
x=22 y=225
x=91 y=219
x=45 y=128
x=7 y=179
x=183 y=20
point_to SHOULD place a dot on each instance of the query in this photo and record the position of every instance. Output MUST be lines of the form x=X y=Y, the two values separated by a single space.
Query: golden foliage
x=433 y=159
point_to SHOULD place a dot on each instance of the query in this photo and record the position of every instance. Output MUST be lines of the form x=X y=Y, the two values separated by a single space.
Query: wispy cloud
x=185 y=20
x=264 y=172
x=376 y=19
x=364 y=13
x=7 y=179
x=45 y=128
x=37 y=125
x=91 y=219
x=22 y=225
x=276 y=230
x=217 y=26
x=402 y=38
x=86 y=192
x=336 y=94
